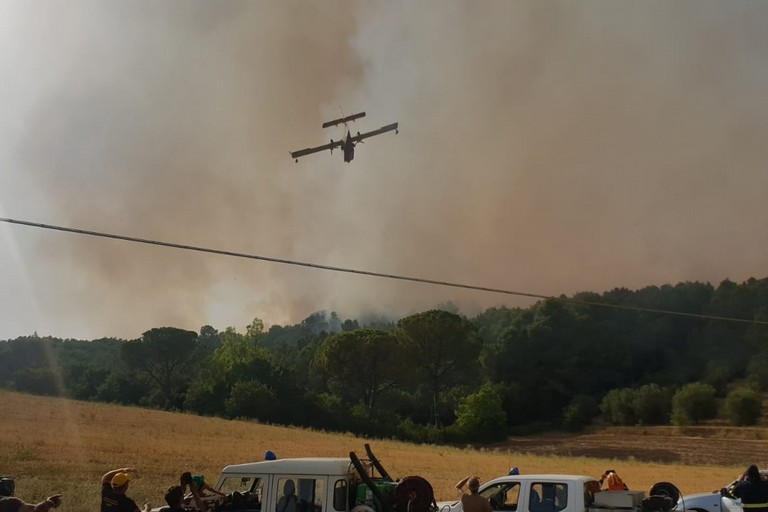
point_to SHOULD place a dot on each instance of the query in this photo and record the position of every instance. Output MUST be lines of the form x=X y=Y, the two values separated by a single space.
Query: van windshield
x=241 y=484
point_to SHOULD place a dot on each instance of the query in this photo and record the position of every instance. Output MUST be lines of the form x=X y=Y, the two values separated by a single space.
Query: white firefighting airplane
x=348 y=142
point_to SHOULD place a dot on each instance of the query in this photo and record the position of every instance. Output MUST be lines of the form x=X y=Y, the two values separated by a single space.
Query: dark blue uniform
x=753 y=494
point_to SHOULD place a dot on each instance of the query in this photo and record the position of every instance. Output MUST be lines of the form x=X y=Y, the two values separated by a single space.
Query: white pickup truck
x=318 y=485
x=563 y=493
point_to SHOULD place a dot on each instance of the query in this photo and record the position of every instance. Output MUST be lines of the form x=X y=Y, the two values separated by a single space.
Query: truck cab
x=551 y=493
x=290 y=485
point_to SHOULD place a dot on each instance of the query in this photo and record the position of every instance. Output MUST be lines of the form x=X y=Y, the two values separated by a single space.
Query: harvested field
x=690 y=446
x=54 y=445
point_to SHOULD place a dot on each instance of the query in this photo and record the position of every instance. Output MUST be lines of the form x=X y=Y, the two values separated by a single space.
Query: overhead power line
x=370 y=273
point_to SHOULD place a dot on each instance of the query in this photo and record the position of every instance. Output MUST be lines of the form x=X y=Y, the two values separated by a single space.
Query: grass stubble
x=54 y=445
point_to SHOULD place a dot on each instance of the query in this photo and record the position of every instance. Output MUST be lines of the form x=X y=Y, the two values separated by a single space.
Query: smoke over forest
x=544 y=147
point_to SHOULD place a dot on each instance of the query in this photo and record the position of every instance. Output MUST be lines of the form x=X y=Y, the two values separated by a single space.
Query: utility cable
x=373 y=274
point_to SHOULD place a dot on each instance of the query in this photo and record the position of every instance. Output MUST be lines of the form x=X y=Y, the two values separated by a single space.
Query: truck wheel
x=667 y=489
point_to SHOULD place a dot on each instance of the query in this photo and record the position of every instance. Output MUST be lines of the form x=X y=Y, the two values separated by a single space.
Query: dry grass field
x=54 y=445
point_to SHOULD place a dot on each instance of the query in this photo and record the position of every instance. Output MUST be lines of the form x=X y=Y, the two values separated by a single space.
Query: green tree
x=237 y=359
x=39 y=381
x=481 y=417
x=579 y=413
x=83 y=380
x=359 y=365
x=255 y=329
x=442 y=351
x=757 y=372
x=350 y=325
x=165 y=355
x=251 y=399
x=618 y=407
x=693 y=403
x=124 y=388
x=743 y=406
x=652 y=404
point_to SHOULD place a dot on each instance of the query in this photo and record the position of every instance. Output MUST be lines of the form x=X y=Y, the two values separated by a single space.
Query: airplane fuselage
x=349 y=148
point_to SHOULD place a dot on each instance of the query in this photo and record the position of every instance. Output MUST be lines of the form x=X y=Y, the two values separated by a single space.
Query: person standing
x=752 y=489
x=472 y=502
x=114 y=485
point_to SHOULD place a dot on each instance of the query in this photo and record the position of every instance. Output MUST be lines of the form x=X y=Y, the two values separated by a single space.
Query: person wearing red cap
x=114 y=484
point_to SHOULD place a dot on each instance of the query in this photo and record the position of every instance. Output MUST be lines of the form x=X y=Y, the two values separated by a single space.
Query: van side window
x=288 y=499
x=548 y=497
x=300 y=495
x=340 y=492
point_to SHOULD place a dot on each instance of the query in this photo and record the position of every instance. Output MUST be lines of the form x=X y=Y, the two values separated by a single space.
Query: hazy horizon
x=548 y=148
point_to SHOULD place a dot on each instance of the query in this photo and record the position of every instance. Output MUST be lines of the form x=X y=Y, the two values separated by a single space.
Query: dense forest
x=438 y=375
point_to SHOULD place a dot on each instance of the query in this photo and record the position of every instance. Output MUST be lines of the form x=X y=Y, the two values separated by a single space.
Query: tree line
x=438 y=375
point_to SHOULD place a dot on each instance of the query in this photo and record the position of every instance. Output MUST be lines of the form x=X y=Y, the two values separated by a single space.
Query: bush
x=757 y=372
x=743 y=406
x=418 y=433
x=480 y=415
x=693 y=403
x=39 y=381
x=618 y=407
x=652 y=405
x=123 y=388
x=251 y=399
x=579 y=413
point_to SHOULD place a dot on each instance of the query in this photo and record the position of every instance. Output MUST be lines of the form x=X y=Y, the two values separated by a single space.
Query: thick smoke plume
x=544 y=147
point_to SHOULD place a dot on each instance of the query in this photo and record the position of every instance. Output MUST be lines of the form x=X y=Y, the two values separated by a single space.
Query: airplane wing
x=308 y=151
x=343 y=120
x=383 y=129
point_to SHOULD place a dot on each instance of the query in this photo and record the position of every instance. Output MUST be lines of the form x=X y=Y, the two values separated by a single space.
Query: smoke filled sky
x=544 y=147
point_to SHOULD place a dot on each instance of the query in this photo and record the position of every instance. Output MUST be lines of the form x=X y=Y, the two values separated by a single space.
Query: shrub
x=480 y=415
x=693 y=403
x=251 y=399
x=579 y=412
x=618 y=407
x=757 y=372
x=743 y=406
x=652 y=405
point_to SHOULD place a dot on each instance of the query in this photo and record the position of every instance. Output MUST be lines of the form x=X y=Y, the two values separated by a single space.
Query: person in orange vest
x=613 y=481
